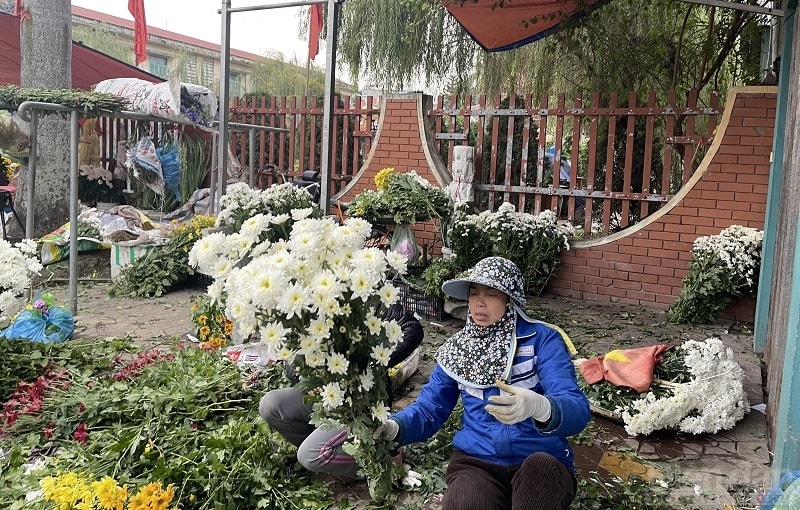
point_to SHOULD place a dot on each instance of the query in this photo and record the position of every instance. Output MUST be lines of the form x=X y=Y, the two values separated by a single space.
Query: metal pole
x=33 y=135
x=224 y=99
x=252 y=155
x=212 y=185
x=738 y=6
x=299 y=3
x=334 y=8
x=74 y=136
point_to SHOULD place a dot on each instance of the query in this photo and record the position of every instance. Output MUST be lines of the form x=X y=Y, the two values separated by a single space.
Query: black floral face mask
x=477 y=355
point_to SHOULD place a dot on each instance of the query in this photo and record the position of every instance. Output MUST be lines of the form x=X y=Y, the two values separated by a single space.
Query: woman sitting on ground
x=521 y=400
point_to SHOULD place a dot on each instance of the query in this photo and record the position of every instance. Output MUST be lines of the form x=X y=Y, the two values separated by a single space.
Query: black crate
x=414 y=300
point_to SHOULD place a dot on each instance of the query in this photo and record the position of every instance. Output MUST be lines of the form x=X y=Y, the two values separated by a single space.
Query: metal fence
x=617 y=160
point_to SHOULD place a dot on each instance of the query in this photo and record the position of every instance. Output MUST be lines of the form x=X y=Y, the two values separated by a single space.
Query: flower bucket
x=123 y=254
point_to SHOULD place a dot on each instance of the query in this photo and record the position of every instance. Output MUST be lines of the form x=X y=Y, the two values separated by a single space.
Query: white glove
x=519 y=405
x=387 y=430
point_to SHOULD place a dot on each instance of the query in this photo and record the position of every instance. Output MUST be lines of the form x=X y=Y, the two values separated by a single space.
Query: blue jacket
x=541 y=363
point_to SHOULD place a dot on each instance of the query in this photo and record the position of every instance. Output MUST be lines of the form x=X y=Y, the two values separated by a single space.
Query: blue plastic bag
x=56 y=325
x=171 y=168
x=774 y=498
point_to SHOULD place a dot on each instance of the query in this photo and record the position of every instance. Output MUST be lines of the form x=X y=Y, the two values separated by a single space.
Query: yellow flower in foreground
x=152 y=497
x=67 y=490
x=110 y=496
x=382 y=177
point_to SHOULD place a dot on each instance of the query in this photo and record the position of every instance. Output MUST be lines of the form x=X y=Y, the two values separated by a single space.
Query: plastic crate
x=414 y=300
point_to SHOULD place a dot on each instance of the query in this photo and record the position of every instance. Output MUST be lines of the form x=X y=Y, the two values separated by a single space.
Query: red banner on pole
x=314 y=30
x=136 y=8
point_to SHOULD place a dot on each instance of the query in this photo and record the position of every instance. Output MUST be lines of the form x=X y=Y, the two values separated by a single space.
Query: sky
x=257 y=32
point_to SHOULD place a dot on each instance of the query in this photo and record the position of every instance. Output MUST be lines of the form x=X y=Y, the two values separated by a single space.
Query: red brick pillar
x=403 y=141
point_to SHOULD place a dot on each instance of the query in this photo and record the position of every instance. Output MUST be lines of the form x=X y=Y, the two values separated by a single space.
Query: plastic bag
x=169 y=155
x=145 y=164
x=403 y=242
x=56 y=325
x=782 y=493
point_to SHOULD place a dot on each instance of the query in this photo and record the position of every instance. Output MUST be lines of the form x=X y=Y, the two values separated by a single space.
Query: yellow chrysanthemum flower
x=204 y=332
x=382 y=177
x=152 y=497
x=110 y=496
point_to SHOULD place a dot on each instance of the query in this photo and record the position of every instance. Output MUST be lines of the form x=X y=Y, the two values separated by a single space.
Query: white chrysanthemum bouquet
x=723 y=266
x=532 y=241
x=18 y=265
x=315 y=298
x=709 y=398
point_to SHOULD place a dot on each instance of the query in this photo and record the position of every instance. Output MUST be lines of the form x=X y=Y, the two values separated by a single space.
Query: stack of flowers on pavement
x=313 y=297
x=723 y=266
x=532 y=241
x=696 y=388
x=18 y=266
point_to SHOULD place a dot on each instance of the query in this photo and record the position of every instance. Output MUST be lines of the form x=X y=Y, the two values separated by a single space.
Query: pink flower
x=80 y=435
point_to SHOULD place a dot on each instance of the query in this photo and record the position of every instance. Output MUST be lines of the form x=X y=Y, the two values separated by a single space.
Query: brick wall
x=646 y=263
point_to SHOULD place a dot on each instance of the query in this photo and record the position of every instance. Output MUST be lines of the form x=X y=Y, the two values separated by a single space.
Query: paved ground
x=722 y=471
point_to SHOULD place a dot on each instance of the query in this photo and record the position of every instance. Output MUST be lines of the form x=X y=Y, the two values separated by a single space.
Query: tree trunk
x=46 y=51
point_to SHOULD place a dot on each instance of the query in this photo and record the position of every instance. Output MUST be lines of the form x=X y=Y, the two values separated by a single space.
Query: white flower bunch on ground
x=723 y=266
x=240 y=203
x=738 y=247
x=18 y=266
x=532 y=241
x=713 y=400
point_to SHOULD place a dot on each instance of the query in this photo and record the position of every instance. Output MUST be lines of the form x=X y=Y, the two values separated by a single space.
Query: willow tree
x=625 y=45
x=274 y=75
x=400 y=42
x=46 y=50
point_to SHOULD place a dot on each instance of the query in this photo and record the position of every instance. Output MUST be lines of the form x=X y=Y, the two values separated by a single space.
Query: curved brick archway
x=646 y=263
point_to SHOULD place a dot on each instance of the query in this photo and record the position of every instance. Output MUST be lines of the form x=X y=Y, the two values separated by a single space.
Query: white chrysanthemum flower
x=332 y=396
x=285 y=354
x=380 y=412
x=366 y=380
x=293 y=301
x=394 y=333
x=315 y=359
x=301 y=214
x=337 y=363
x=506 y=207
x=320 y=328
x=381 y=354
x=389 y=294
x=274 y=334
x=362 y=285
x=308 y=344
x=369 y=260
x=373 y=323
x=397 y=262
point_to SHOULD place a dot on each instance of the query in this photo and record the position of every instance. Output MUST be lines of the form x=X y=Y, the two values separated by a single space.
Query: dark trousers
x=539 y=483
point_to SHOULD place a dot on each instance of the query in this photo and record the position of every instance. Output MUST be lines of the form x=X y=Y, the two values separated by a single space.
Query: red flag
x=136 y=8
x=314 y=30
